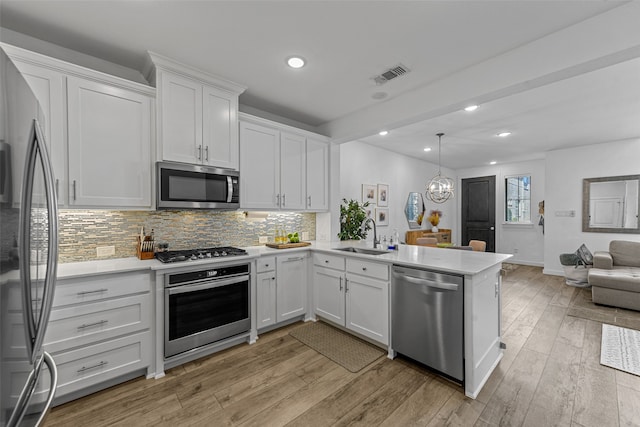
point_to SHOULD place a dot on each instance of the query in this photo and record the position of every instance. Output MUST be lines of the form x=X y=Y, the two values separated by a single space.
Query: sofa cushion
x=626 y=279
x=625 y=253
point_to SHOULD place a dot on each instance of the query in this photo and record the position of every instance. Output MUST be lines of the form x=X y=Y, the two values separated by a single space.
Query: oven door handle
x=182 y=289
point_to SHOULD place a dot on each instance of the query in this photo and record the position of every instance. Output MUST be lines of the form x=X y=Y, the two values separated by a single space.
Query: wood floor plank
x=546 y=329
x=331 y=409
x=459 y=411
x=510 y=402
x=421 y=406
x=596 y=402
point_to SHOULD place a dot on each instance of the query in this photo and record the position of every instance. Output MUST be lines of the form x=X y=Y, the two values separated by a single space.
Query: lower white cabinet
x=281 y=289
x=354 y=294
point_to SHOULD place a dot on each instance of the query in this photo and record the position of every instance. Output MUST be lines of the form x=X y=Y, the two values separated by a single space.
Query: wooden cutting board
x=287 y=245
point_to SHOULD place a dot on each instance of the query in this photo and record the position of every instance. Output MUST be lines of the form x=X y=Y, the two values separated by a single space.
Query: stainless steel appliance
x=28 y=261
x=196 y=254
x=205 y=306
x=428 y=318
x=185 y=186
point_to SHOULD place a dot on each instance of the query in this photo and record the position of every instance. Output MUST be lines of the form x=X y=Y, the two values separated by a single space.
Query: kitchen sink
x=365 y=251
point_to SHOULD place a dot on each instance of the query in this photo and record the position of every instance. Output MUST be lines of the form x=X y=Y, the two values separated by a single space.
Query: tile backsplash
x=82 y=231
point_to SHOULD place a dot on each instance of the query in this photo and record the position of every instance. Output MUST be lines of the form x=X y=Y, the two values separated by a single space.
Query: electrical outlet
x=104 y=251
x=305 y=235
x=263 y=239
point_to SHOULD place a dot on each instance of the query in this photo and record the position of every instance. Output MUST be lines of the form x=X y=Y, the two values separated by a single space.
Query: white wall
x=565 y=171
x=361 y=163
x=525 y=242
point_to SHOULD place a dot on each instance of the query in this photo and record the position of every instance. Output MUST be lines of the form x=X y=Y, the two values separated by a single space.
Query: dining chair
x=478 y=245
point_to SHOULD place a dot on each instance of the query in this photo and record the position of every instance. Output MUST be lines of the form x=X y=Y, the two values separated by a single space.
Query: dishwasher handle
x=429 y=283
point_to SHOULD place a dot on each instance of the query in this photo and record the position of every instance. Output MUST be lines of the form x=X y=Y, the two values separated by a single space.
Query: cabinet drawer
x=367 y=268
x=329 y=261
x=95 y=288
x=89 y=323
x=266 y=264
x=94 y=364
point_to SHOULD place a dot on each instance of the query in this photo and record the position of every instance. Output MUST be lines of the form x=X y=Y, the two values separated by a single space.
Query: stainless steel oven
x=205 y=306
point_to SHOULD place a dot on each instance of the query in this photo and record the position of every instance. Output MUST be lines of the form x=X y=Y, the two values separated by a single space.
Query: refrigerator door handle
x=35 y=330
x=30 y=388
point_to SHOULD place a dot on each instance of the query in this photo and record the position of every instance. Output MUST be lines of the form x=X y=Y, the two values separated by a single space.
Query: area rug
x=582 y=306
x=620 y=349
x=346 y=350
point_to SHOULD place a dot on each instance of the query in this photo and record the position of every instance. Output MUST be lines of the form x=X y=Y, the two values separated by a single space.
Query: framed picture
x=368 y=193
x=370 y=210
x=382 y=217
x=383 y=195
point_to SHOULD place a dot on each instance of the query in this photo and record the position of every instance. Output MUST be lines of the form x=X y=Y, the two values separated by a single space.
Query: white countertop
x=445 y=260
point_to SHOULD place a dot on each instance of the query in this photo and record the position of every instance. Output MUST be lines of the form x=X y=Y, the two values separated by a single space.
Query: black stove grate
x=196 y=254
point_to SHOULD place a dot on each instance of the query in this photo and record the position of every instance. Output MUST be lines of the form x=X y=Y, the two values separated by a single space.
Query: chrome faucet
x=376 y=242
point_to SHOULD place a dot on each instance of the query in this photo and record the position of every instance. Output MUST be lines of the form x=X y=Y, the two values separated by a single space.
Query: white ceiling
x=348 y=42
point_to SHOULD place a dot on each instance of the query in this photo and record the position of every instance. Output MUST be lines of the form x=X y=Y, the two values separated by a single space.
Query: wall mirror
x=414 y=210
x=611 y=204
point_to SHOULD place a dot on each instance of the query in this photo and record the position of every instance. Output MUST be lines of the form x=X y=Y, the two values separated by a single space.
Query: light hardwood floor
x=550 y=375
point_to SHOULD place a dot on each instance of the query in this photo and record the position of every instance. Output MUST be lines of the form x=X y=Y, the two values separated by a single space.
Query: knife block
x=143 y=254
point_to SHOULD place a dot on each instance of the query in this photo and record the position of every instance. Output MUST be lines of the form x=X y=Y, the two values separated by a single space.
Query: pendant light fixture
x=440 y=188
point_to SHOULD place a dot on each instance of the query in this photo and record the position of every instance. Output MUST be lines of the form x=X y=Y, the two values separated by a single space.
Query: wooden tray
x=287 y=245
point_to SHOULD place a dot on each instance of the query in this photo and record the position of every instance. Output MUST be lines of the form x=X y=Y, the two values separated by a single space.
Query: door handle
x=492 y=228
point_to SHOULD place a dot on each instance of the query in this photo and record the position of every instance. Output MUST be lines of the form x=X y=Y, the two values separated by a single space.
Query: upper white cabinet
x=197 y=114
x=109 y=145
x=99 y=129
x=282 y=168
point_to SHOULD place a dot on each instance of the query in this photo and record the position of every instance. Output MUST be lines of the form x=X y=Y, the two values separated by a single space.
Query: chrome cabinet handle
x=340 y=283
x=91 y=325
x=283 y=199
x=206 y=153
x=57 y=186
x=278 y=200
x=309 y=201
x=97 y=291
x=99 y=365
x=298 y=258
x=74 y=189
x=346 y=284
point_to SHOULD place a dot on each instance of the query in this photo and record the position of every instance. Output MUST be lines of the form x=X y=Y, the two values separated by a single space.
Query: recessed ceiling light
x=427 y=149
x=492 y=162
x=383 y=132
x=296 y=62
x=471 y=108
x=503 y=134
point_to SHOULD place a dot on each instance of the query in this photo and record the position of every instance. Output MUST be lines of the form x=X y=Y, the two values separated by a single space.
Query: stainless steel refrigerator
x=28 y=253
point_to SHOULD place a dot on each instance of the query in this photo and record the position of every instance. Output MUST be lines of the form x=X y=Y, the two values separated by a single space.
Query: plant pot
x=434 y=229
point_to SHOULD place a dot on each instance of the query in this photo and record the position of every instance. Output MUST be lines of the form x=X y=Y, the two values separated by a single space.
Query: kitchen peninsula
x=481 y=273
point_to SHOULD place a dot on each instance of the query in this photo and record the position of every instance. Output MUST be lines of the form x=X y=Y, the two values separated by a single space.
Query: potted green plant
x=352 y=215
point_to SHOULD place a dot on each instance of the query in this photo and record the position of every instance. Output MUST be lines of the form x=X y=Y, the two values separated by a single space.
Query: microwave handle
x=229 y=189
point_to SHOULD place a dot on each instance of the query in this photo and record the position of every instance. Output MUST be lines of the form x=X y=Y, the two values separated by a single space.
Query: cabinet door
x=180 y=119
x=291 y=299
x=48 y=87
x=328 y=294
x=220 y=128
x=266 y=298
x=292 y=171
x=109 y=145
x=368 y=307
x=317 y=175
x=260 y=164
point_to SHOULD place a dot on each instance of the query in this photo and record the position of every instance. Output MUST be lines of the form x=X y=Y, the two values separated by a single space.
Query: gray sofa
x=615 y=276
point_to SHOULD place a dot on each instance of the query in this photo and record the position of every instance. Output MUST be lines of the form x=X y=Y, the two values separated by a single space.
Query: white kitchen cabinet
x=354 y=294
x=197 y=114
x=291 y=288
x=260 y=167
x=266 y=292
x=109 y=145
x=317 y=175
x=282 y=168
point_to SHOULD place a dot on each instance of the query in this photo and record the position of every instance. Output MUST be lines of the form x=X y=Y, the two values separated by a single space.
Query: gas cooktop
x=196 y=254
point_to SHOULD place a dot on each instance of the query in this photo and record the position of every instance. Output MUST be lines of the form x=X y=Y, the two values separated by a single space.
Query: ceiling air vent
x=390 y=74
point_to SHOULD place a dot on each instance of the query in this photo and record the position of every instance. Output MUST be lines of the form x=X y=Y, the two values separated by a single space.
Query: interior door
x=479 y=211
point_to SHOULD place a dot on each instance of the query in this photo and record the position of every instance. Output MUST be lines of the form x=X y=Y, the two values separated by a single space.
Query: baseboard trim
x=529 y=263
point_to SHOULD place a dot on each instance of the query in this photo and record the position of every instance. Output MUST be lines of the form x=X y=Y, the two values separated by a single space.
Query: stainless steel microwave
x=185 y=186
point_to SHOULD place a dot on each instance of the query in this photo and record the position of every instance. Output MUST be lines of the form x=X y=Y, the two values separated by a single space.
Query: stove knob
x=208 y=255
x=193 y=257
x=224 y=253
x=200 y=255
x=216 y=254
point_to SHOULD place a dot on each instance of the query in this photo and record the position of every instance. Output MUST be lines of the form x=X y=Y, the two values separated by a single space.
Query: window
x=518 y=199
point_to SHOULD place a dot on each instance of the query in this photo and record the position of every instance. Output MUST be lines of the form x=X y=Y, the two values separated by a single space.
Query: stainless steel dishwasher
x=427 y=319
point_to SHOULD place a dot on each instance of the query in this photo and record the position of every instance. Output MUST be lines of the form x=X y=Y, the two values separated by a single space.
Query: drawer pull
x=266 y=265
x=340 y=283
x=91 y=325
x=86 y=368
x=97 y=291
x=299 y=258
x=364 y=268
x=326 y=261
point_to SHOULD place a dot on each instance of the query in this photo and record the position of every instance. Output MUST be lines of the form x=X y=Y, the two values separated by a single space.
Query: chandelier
x=440 y=188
